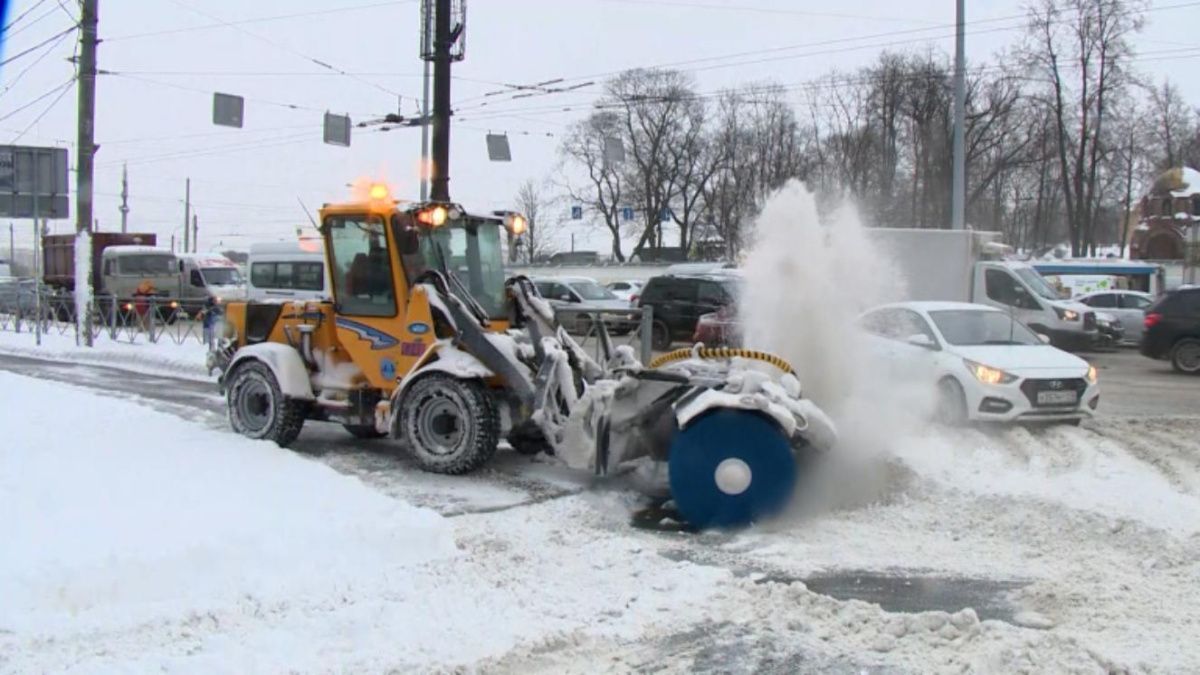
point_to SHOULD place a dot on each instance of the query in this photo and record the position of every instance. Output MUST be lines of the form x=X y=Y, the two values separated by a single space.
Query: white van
x=288 y=271
x=205 y=275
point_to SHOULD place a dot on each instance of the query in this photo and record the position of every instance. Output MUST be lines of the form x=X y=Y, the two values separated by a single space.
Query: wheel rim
x=255 y=405
x=1188 y=356
x=659 y=335
x=441 y=426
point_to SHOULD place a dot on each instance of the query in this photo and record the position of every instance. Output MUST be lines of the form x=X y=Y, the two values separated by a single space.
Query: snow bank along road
x=140 y=534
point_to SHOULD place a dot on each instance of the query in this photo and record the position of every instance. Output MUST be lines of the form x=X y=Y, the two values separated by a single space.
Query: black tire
x=660 y=336
x=257 y=407
x=366 y=432
x=951 y=403
x=449 y=425
x=1185 y=356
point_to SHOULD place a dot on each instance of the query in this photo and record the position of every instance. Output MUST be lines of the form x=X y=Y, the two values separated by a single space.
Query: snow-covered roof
x=1178 y=182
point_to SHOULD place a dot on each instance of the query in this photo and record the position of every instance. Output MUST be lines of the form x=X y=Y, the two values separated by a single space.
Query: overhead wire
x=261 y=19
x=47 y=109
x=318 y=62
x=35 y=101
x=39 y=45
x=17 y=79
x=7 y=33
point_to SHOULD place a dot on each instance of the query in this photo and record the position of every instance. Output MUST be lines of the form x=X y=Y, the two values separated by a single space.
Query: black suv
x=1173 y=329
x=679 y=300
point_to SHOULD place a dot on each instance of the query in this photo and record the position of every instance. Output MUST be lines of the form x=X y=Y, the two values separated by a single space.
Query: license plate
x=1057 y=398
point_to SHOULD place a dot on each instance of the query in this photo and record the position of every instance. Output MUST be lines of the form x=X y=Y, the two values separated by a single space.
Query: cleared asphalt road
x=1132 y=385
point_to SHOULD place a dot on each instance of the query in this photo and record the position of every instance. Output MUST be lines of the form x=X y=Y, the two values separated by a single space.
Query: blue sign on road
x=576 y=213
x=664 y=215
x=627 y=213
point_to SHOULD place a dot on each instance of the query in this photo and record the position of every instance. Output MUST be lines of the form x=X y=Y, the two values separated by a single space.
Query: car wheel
x=951 y=403
x=1185 y=356
x=660 y=336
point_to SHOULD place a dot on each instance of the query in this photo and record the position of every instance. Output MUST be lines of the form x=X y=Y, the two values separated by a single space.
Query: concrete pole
x=187 y=213
x=89 y=19
x=958 y=189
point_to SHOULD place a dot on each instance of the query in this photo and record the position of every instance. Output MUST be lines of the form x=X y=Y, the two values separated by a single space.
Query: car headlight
x=1066 y=314
x=1092 y=375
x=988 y=374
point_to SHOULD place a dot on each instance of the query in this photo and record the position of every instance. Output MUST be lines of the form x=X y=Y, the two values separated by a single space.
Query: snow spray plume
x=806 y=284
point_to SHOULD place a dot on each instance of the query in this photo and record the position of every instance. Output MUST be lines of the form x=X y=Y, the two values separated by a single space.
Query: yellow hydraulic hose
x=722 y=353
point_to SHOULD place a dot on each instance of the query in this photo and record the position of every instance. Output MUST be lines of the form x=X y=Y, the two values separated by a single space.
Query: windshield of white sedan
x=969 y=327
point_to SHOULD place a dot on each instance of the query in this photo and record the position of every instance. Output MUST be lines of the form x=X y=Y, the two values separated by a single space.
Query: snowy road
x=1076 y=550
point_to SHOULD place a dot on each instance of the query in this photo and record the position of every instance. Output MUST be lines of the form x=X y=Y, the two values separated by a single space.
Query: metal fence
x=149 y=319
x=593 y=329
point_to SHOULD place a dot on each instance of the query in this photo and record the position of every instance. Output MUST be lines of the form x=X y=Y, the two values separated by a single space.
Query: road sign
x=576 y=213
x=337 y=129
x=228 y=110
x=665 y=214
x=498 y=150
x=627 y=213
x=614 y=152
x=33 y=182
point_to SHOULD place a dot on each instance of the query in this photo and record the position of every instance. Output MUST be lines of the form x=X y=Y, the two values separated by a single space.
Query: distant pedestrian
x=209 y=315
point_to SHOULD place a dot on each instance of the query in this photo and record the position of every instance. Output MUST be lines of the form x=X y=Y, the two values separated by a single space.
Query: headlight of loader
x=1092 y=375
x=988 y=374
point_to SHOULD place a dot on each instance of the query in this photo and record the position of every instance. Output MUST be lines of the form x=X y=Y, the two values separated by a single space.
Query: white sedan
x=985 y=365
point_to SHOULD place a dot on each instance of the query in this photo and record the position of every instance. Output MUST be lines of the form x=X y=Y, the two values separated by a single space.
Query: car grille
x=1089 y=320
x=1031 y=388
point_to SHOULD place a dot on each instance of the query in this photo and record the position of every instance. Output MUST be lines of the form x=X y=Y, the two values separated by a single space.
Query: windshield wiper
x=463 y=293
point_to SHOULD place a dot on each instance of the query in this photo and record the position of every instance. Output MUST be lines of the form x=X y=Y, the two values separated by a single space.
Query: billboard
x=34 y=182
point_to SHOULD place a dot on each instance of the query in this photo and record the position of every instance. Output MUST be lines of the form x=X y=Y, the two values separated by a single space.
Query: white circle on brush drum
x=733 y=476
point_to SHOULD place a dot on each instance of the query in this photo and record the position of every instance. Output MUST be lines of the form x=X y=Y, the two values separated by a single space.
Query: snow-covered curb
x=185 y=360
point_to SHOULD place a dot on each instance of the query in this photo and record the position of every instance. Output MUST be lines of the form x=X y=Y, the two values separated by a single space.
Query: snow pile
x=1065 y=466
x=161 y=358
x=135 y=517
x=83 y=273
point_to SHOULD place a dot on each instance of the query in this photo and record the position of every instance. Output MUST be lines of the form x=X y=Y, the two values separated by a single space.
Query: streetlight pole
x=958 y=188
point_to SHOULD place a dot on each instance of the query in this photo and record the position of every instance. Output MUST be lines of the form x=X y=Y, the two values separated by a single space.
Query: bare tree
x=1172 y=125
x=529 y=202
x=1081 y=47
x=603 y=187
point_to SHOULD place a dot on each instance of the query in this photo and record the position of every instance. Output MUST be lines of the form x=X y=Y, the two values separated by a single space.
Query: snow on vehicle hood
x=1031 y=360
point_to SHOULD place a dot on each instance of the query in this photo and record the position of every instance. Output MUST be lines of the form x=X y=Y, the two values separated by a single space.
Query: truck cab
x=125 y=268
x=1017 y=288
x=208 y=275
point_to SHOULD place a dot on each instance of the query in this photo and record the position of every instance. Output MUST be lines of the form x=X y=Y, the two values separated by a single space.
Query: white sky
x=245 y=182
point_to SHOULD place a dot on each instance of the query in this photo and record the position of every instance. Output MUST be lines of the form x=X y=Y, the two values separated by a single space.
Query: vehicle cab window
x=1102 y=300
x=362 y=268
x=1001 y=287
x=1131 y=301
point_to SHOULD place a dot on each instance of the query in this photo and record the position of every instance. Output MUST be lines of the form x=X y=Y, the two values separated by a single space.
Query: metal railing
x=148 y=319
x=592 y=328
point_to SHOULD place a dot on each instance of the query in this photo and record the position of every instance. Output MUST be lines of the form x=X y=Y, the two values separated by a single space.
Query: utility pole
x=425 y=137
x=440 y=179
x=958 y=189
x=187 y=212
x=12 y=255
x=124 y=197
x=195 y=232
x=89 y=19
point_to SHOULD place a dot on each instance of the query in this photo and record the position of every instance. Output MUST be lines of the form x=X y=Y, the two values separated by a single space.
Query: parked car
x=585 y=293
x=1128 y=306
x=679 y=301
x=719 y=329
x=986 y=365
x=1110 y=332
x=1172 y=329
x=625 y=290
x=17 y=296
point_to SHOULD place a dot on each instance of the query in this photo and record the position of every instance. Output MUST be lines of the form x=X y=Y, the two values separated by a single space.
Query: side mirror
x=921 y=340
x=1044 y=338
x=566 y=297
